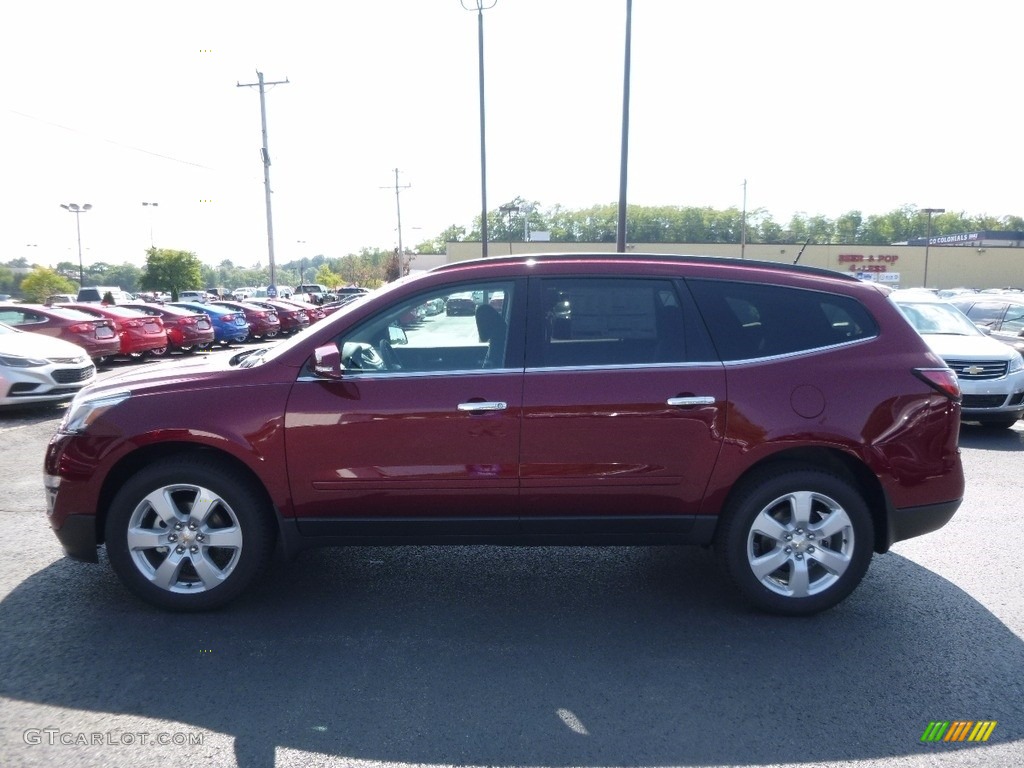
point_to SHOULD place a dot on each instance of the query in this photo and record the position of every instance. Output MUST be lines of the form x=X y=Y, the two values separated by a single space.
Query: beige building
x=899 y=266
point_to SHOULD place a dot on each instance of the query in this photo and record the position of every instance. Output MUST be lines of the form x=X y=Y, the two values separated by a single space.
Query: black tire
x=827 y=552
x=204 y=575
x=1006 y=422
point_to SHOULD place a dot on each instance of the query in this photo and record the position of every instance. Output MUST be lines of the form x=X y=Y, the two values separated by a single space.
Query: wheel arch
x=826 y=459
x=143 y=457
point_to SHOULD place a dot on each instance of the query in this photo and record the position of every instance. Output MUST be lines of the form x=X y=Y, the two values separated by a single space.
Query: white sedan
x=40 y=369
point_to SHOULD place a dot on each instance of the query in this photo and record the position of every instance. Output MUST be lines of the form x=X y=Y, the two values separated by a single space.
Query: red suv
x=788 y=416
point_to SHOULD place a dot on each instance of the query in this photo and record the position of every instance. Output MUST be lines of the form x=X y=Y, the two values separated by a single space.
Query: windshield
x=937 y=318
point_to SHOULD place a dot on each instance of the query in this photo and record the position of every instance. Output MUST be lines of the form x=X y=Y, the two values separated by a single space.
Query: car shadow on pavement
x=523 y=656
x=989 y=439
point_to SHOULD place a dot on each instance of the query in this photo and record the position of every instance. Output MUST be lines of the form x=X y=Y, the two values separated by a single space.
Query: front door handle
x=483 y=406
x=689 y=402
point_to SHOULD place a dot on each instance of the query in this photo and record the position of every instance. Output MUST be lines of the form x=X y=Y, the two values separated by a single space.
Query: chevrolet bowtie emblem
x=973 y=370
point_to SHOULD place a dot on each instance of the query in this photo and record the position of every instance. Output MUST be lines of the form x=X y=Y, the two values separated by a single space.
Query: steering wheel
x=388 y=356
x=363 y=357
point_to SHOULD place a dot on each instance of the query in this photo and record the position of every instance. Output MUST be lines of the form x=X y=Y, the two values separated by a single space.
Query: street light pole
x=928 y=239
x=480 y=6
x=152 y=244
x=77 y=209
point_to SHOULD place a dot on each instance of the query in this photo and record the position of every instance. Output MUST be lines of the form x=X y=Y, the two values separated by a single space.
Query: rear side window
x=600 y=321
x=749 y=320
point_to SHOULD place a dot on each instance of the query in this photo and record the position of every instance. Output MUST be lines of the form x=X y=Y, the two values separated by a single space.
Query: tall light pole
x=620 y=237
x=151 y=206
x=480 y=6
x=928 y=239
x=77 y=209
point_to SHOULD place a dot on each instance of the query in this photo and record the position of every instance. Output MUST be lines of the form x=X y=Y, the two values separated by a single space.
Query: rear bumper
x=916 y=521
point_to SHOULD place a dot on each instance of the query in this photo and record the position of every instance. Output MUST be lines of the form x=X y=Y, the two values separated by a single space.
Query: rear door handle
x=484 y=406
x=689 y=402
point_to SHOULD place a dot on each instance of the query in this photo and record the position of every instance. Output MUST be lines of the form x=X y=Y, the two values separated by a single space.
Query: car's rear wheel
x=189 y=534
x=158 y=352
x=796 y=541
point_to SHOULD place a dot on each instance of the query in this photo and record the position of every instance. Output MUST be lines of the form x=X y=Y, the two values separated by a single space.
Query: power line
x=111 y=141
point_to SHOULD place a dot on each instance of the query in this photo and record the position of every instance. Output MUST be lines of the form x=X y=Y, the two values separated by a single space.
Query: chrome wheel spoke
x=146 y=538
x=166 y=576
x=163 y=506
x=203 y=503
x=207 y=571
x=800 y=504
x=831 y=525
x=833 y=562
x=799 y=579
x=767 y=525
x=230 y=538
x=767 y=564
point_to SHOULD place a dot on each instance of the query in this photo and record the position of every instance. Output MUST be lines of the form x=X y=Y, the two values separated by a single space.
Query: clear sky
x=823 y=107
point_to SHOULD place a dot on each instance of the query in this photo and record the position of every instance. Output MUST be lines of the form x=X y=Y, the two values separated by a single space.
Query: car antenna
x=801 y=251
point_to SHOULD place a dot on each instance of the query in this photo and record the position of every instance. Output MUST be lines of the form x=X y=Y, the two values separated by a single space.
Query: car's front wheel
x=797 y=541
x=189 y=534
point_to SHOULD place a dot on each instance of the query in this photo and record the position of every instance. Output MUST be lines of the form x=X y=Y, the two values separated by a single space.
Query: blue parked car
x=228 y=325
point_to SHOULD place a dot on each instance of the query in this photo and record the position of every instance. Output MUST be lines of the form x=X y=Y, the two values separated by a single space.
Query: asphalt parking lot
x=515 y=656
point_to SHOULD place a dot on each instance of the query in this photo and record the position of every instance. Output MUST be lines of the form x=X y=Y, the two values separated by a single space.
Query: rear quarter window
x=749 y=320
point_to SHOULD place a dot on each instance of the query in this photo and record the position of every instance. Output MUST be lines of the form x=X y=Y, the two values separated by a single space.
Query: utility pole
x=743 y=225
x=266 y=162
x=402 y=268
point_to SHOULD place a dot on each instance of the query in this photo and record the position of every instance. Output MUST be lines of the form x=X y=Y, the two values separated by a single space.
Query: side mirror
x=327 y=362
x=396 y=335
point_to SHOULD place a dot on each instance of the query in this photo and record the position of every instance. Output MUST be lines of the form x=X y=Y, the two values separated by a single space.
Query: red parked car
x=97 y=336
x=312 y=311
x=263 y=322
x=139 y=333
x=291 y=317
x=788 y=416
x=187 y=331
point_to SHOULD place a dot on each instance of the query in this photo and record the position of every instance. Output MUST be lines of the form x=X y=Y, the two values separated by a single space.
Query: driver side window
x=463 y=327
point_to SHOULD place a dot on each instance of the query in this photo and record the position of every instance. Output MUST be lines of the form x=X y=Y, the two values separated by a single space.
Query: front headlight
x=16 y=361
x=1016 y=364
x=85 y=411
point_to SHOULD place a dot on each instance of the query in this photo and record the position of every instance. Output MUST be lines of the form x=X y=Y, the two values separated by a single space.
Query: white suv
x=991 y=373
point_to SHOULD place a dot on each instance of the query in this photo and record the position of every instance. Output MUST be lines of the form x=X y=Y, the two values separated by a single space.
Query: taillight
x=133 y=323
x=228 y=318
x=942 y=380
x=188 y=320
x=82 y=327
x=260 y=315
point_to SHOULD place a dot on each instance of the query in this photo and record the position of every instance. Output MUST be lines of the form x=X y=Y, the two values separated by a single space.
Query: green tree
x=327 y=276
x=43 y=282
x=171 y=271
x=6 y=280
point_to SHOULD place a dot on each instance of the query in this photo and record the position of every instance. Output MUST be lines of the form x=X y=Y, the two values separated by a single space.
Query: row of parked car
x=48 y=353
